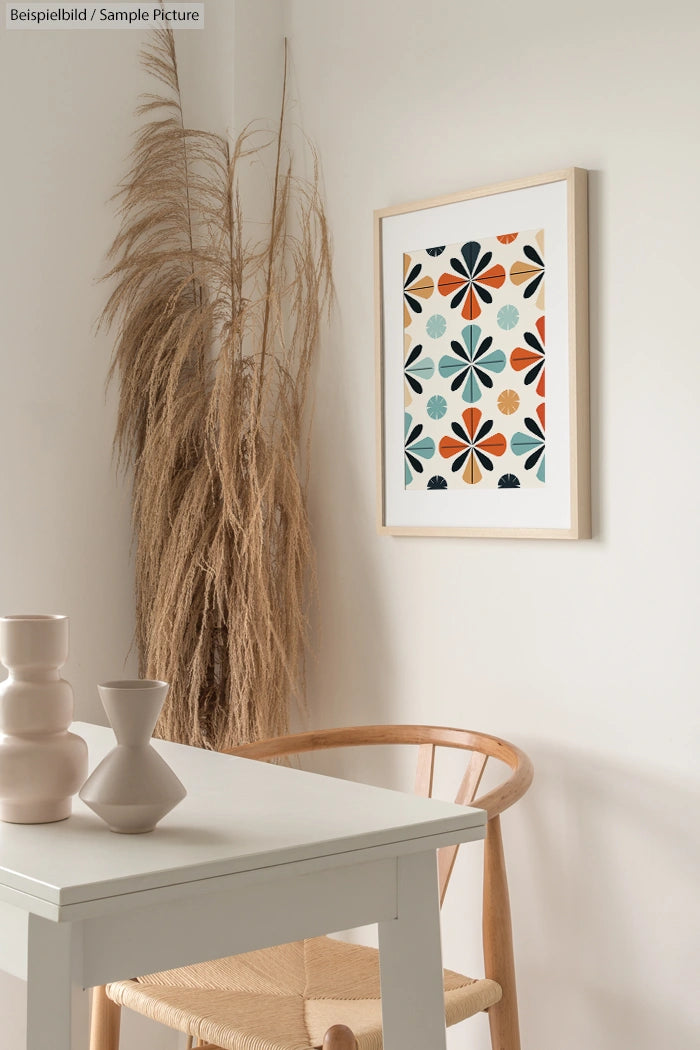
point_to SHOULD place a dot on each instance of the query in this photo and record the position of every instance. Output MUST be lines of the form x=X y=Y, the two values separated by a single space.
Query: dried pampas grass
x=216 y=334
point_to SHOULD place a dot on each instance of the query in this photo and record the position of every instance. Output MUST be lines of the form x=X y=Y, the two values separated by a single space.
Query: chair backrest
x=497 y=931
x=480 y=746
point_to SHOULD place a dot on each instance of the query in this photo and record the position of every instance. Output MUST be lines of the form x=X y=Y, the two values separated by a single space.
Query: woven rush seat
x=284 y=998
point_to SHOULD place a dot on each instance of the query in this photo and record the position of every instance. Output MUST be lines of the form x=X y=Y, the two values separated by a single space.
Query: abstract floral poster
x=474 y=366
x=482 y=362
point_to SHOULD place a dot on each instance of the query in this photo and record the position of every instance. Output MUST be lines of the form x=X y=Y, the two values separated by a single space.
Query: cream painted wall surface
x=64 y=525
x=582 y=652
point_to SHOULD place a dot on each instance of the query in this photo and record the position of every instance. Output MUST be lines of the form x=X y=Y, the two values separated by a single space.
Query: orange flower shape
x=472 y=445
x=471 y=281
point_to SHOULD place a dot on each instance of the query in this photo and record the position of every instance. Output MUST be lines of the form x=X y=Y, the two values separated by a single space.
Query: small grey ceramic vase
x=133 y=787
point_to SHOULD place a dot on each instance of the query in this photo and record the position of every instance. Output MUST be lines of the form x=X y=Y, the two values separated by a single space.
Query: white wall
x=582 y=652
x=66 y=100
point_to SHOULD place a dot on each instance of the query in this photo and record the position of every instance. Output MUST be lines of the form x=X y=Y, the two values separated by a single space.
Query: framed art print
x=482 y=387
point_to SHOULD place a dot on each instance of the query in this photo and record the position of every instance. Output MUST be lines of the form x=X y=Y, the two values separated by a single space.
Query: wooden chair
x=324 y=992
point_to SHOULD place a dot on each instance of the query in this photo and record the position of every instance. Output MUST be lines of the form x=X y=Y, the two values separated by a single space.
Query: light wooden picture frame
x=482 y=362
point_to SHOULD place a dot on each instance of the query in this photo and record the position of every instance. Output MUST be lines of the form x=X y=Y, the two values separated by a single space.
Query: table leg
x=410 y=959
x=57 y=1008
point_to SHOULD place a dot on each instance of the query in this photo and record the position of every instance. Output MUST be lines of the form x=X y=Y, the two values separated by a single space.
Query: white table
x=255 y=855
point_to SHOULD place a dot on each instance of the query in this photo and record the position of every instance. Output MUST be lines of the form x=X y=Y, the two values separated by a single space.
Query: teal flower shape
x=436 y=407
x=532 y=443
x=414 y=446
x=436 y=326
x=472 y=364
x=417 y=369
x=507 y=317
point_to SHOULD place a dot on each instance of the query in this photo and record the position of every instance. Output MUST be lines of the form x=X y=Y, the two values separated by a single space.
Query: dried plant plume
x=215 y=337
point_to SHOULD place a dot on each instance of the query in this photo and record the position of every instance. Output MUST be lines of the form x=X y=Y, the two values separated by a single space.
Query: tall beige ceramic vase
x=133 y=787
x=41 y=764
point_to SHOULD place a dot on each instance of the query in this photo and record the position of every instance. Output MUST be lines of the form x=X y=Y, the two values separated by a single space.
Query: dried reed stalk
x=216 y=333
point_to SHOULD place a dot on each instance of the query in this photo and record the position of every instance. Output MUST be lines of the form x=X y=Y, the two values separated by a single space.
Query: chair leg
x=105 y=1021
x=339 y=1037
x=498 y=942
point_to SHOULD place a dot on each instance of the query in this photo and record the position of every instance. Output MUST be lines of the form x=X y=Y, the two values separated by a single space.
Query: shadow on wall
x=351 y=596
x=605 y=863
x=596 y=299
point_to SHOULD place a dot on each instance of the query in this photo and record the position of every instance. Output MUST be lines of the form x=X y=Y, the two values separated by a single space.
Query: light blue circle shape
x=436 y=326
x=436 y=407
x=507 y=317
